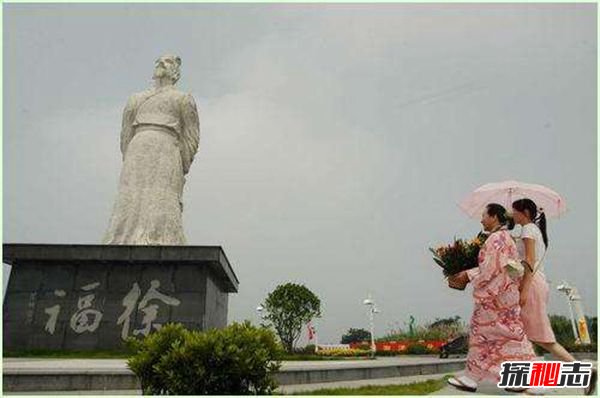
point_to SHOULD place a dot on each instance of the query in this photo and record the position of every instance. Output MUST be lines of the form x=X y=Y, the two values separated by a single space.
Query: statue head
x=167 y=66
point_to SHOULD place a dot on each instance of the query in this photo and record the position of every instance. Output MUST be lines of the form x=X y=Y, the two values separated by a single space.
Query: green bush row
x=237 y=360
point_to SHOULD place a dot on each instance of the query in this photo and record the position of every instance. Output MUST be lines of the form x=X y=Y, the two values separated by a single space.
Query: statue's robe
x=159 y=139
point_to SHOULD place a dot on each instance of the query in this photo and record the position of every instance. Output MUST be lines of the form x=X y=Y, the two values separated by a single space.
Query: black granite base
x=89 y=297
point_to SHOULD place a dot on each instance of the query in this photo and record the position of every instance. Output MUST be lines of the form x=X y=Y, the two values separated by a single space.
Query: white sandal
x=463 y=383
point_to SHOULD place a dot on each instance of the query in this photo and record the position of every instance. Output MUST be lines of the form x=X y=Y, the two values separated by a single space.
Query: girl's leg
x=560 y=352
x=557 y=350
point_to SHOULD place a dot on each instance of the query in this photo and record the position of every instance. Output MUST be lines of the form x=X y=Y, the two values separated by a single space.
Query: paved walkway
x=446 y=391
x=103 y=365
x=281 y=390
x=492 y=389
x=42 y=364
x=78 y=366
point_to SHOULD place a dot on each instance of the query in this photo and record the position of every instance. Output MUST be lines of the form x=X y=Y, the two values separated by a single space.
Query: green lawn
x=419 y=388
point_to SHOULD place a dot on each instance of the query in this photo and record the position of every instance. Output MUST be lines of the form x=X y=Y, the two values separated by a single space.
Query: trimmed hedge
x=237 y=360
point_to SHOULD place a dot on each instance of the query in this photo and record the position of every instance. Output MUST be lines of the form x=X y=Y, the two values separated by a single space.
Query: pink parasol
x=506 y=192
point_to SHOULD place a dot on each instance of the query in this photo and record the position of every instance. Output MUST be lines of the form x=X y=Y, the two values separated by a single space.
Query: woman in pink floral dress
x=496 y=330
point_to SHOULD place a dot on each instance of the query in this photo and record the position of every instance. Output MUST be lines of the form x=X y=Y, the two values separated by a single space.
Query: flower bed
x=343 y=352
x=403 y=346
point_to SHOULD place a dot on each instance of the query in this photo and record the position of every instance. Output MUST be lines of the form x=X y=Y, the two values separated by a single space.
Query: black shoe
x=591 y=389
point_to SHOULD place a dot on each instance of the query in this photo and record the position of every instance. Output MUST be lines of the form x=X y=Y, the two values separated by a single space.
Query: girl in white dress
x=534 y=289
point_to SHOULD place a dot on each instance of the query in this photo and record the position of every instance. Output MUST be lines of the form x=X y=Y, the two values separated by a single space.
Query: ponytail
x=541 y=223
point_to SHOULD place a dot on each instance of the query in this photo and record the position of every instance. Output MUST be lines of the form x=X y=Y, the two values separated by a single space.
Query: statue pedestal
x=89 y=297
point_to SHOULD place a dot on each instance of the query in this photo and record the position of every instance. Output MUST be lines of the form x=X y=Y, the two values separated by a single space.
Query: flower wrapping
x=458 y=256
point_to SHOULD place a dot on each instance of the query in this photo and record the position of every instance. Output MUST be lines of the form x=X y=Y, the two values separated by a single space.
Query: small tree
x=356 y=336
x=288 y=308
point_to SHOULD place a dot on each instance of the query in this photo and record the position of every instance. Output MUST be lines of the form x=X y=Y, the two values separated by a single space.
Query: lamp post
x=259 y=311
x=566 y=289
x=577 y=315
x=372 y=310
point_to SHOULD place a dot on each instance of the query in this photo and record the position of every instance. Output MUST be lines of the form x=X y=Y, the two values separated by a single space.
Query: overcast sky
x=336 y=140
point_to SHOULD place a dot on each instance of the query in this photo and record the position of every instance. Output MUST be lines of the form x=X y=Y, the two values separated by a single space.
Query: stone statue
x=159 y=139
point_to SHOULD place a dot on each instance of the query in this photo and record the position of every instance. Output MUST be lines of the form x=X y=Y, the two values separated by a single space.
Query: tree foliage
x=356 y=336
x=288 y=308
x=445 y=322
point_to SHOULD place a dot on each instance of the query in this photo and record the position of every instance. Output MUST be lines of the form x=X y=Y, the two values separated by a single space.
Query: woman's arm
x=528 y=276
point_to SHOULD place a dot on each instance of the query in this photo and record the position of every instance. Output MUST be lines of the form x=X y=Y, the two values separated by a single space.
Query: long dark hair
x=528 y=206
x=494 y=209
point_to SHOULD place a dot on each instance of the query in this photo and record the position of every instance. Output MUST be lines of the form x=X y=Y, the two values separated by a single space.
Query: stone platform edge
x=13 y=253
x=60 y=380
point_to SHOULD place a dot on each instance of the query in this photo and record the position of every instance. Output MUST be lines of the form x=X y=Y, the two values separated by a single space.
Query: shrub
x=237 y=360
x=417 y=349
x=581 y=347
x=148 y=352
x=570 y=347
x=309 y=349
x=445 y=322
x=355 y=336
x=563 y=330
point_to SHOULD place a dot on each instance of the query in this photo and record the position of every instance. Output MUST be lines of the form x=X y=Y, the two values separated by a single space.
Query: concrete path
x=291 y=389
x=42 y=364
x=360 y=372
x=33 y=365
x=484 y=389
x=491 y=389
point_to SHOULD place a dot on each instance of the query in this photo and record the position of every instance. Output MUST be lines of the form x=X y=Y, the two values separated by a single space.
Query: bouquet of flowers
x=459 y=256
